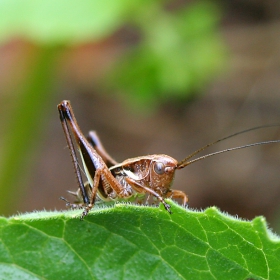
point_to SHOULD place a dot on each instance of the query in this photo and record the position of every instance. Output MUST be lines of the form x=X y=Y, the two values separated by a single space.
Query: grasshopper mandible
x=108 y=180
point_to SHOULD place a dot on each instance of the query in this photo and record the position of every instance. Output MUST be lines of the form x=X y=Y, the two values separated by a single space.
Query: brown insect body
x=107 y=180
x=134 y=178
x=153 y=171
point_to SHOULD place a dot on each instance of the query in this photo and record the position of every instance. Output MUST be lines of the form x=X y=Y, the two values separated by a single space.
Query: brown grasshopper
x=134 y=178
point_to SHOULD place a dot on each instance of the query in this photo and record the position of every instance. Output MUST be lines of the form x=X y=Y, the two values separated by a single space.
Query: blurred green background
x=150 y=77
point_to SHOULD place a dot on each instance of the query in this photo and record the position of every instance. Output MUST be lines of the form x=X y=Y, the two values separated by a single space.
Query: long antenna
x=179 y=166
x=185 y=161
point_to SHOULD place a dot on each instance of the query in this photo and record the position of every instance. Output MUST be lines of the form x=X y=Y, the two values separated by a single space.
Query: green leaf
x=62 y=21
x=135 y=242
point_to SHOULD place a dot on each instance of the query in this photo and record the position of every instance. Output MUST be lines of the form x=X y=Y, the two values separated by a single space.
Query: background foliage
x=184 y=42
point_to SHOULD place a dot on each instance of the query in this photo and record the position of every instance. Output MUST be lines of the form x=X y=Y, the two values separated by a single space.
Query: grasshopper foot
x=167 y=207
x=71 y=205
x=68 y=204
x=86 y=210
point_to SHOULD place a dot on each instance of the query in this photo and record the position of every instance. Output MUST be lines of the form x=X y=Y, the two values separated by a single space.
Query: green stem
x=25 y=126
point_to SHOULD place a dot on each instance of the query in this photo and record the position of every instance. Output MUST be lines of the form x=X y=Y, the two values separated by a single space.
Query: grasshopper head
x=162 y=171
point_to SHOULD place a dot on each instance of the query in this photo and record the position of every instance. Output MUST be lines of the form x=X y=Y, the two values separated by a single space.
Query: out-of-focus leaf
x=26 y=123
x=179 y=53
x=63 y=21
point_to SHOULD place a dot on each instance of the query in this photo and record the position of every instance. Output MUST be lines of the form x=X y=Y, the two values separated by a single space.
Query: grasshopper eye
x=159 y=168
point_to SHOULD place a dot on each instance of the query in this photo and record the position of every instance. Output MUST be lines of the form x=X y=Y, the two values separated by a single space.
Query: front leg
x=136 y=185
x=178 y=194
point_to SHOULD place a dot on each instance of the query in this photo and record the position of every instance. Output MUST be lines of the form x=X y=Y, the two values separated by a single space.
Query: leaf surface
x=136 y=242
